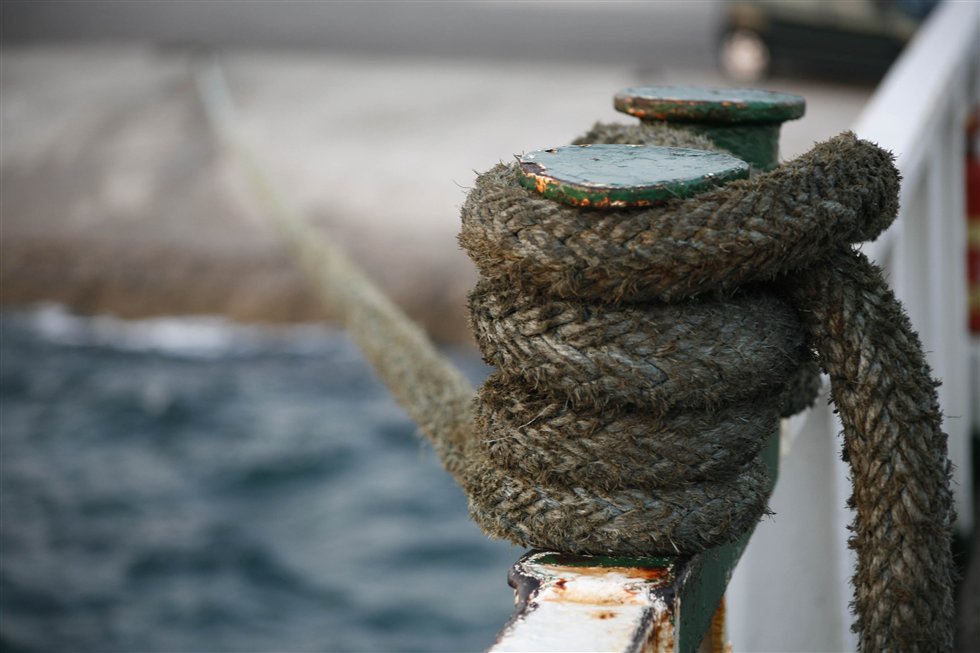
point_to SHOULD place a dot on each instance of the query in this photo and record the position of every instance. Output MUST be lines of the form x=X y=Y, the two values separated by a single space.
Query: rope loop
x=643 y=358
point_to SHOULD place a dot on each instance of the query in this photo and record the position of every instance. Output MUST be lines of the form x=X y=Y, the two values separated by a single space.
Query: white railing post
x=918 y=112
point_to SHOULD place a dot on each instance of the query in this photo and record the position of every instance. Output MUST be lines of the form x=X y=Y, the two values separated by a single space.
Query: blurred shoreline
x=116 y=199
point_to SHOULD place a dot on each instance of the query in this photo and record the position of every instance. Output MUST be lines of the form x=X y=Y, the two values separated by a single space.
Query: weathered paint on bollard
x=629 y=605
x=745 y=122
x=601 y=603
x=620 y=176
x=590 y=603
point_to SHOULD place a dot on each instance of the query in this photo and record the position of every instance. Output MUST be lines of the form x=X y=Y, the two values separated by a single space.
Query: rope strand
x=638 y=353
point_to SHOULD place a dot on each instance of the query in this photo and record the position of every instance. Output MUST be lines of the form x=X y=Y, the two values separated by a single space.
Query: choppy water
x=191 y=485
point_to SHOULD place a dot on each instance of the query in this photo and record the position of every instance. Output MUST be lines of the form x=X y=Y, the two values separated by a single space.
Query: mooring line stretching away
x=434 y=393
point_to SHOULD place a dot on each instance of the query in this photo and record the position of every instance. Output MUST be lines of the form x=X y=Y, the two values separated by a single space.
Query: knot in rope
x=643 y=357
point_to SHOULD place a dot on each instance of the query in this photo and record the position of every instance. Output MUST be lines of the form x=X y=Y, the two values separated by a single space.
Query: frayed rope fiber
x=643 y=358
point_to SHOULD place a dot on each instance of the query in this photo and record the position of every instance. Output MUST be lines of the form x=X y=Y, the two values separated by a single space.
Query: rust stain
x=637 y=573
x=662 y=635
x=716 y=632
x=617 y=585
x=604 y=614
x=540 y=184
x=633 y=204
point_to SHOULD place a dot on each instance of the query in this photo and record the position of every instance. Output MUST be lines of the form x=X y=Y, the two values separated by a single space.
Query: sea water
x=195 y=485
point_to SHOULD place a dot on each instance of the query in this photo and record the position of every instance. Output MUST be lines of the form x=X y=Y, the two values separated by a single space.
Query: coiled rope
x=771 y=253
x=638 y=352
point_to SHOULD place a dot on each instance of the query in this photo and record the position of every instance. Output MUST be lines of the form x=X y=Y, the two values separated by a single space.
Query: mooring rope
x=644 y=355
x=638 y=354
x=434 y=393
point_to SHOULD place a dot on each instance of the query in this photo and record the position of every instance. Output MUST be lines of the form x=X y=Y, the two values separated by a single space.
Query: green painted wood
x=695 y=104
x=621 y=176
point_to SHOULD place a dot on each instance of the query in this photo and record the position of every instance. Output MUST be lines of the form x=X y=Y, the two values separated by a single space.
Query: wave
x=181 y=336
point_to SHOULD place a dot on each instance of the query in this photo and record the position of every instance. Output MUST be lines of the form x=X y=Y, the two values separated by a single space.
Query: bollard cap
x=623 y=176
x=695 y=104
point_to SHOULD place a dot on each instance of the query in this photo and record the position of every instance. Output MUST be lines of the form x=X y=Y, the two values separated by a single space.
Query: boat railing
x=791 y=589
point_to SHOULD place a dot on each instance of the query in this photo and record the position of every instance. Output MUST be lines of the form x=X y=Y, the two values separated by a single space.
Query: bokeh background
x=192 y=457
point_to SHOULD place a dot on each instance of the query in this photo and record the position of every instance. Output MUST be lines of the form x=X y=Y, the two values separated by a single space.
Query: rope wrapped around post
x=588 y=295
x=639 y=352
x=781 y=240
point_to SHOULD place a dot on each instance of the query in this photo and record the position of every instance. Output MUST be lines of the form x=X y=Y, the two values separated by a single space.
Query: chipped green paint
x=571 y=560
x=681 y=594
x=694 y=104
x=745 y=122
x=621 y=176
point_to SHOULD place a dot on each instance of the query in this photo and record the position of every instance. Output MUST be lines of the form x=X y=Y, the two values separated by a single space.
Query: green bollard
x=607 y=603
x=625 y=176
x=745 y=122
